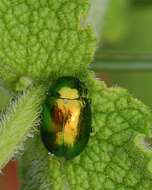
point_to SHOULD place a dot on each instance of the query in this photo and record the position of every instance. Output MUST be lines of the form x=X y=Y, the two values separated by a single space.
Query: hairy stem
x=17 y=121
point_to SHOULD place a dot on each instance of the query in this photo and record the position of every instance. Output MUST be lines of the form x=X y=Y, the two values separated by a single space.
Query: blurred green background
x=124 y=53
x=123 y=57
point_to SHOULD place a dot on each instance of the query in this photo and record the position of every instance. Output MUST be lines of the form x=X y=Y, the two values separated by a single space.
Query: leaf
x=43 y=39
x=5 y=96
x=115 y=158
x=17 y=122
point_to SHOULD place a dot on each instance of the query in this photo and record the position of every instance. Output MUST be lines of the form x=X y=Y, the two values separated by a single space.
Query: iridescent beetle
x=66 y=118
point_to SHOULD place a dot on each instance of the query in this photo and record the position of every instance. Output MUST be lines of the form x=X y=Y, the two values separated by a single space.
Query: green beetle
x=66 y=118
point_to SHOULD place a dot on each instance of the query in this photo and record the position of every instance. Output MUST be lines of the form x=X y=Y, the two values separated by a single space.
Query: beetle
x=66 y=118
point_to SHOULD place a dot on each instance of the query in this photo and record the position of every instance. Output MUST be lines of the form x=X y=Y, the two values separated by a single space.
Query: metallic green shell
x=66 y=118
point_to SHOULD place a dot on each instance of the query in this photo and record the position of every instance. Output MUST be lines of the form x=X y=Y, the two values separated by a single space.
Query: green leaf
x=43 y=39
x=18 y=122
x=117 y=156
x=4 y=96
x=40 y=41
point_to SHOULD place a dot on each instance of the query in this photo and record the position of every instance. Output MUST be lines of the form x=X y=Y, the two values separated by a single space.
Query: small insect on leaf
x=66 y=118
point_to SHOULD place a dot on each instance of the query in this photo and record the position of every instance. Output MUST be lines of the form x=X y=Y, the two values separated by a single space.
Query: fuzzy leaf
x=43 y=39
x=17 y=122
x=4 y=96
x=116 y=158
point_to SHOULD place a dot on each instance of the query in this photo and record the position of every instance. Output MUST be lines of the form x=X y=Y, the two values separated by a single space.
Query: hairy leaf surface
x=43 y=39
x=117 y=156
x=17 y=122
